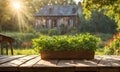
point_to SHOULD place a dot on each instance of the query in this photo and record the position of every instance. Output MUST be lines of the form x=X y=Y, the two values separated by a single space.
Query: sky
x=77 y=1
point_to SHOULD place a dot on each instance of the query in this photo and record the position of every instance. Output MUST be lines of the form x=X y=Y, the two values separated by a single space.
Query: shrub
x=44 y=31
x=113 y=45
x=21 y=37
x=54 y=31
x=104 y=37
x=66 y=42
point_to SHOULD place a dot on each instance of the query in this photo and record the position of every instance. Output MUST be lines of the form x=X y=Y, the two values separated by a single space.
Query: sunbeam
x=20 y=15
x=16 y=5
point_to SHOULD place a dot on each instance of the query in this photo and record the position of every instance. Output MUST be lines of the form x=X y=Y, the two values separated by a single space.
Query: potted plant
x=80 y=46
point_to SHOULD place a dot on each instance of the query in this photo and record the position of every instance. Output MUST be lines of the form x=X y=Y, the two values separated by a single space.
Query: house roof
x=58 y=10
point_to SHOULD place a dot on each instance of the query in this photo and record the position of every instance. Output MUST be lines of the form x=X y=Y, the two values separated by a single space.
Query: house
x=52 y=16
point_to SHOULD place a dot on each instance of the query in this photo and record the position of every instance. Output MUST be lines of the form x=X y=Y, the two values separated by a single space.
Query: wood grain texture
x=10 y=58
x=17 y=62
x=46 y=63
x=34 y=63
x=115 y=62
x=31 y=62
x=66 y=63
x=106 y=61
x=3 y=56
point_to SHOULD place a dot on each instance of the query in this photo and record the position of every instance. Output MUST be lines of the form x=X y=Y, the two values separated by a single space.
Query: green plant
x=113 y=46
x=21 y=37
x=44 y=30
x=53 y=31
x=66 y=42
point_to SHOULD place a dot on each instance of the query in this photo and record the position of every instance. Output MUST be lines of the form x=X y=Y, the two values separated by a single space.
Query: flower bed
x=113 y=45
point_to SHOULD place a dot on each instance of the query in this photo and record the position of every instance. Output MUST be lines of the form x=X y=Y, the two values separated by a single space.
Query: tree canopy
x=111 y=8
x=9 y=17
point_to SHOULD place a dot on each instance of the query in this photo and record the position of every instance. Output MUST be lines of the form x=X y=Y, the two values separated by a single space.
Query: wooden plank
x=9 y=69
x=79 y=63
x=66 y=63
x=27 y=66
x=85 y=63
x=46 y=63
x=7 y=59
x=65 y=66
x=115 y=61
x=98 y=58
x=88 y=63
x=31 y=62
x=4 y=56
x=18 y=62
x=109 y=69
x=44 y=66
x=105 y=62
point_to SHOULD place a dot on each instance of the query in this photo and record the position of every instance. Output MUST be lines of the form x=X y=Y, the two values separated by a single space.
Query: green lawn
x=24 y=52
x=99 y=51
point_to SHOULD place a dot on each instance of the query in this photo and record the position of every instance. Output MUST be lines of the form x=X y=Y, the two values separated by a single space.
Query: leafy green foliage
x=9 y=18
x=66 y=42
x=54 y=31
x=20 y=38
x=113 y=46
x=98 y=23
x=110 y=8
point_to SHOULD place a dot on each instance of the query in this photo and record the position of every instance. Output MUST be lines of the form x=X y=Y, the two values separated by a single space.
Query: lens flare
x=16 y=5
x=21 y=14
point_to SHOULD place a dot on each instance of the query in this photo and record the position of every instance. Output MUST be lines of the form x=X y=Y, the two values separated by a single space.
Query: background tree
x=4 y=14
x=9 y=18
x=98 y=23
x=111 y=8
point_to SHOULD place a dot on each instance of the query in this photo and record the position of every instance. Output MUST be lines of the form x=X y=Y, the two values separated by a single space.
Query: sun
x=16 y=5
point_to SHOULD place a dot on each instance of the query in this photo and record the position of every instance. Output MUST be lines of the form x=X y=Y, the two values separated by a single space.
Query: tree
x=5 y=15
x=98 y=23
x=111 y=8
x=9 y=17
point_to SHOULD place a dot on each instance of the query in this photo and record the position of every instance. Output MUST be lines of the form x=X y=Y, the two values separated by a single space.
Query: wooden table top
x=34 y=61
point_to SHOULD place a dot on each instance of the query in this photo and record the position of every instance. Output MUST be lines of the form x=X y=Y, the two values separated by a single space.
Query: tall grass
x=23 y=52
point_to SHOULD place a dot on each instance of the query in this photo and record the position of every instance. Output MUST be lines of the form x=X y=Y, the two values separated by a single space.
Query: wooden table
x=8 y=41
x=33 y=63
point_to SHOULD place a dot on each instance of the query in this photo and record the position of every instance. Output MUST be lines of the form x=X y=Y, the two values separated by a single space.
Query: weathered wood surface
x=8 y=41
x=33 y=63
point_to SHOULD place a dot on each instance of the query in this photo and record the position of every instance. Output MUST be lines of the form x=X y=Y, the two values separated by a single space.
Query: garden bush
x=113 y=45
x=21 y=37
x=54 y=31
x=66 y=42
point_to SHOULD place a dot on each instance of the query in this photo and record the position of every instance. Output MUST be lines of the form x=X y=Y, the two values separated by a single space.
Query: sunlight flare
x=20 y=14
x=16 y=5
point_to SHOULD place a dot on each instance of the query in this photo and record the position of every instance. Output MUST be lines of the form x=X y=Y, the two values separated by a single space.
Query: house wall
x=51 y=22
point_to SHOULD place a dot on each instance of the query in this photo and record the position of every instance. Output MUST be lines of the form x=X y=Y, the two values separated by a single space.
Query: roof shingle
x=58 y=10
